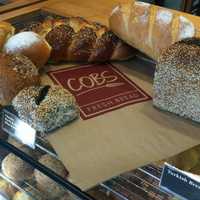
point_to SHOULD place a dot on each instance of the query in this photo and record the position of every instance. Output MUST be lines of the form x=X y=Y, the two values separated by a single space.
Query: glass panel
x=20 y=180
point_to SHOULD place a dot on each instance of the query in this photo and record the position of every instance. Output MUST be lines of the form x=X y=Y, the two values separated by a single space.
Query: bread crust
x=46 y=184
x=151 y=29
x=16 y=73
x=76 y=39
x=31 y=45
x=176 y=80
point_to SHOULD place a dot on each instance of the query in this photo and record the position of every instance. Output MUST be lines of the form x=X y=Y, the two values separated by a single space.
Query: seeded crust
x=59 y=39
x=16 y=73
x=177 y=80
x=82 y=44
x=57 y=107
x=107 y=41
x=76 y=39
x=16 y=169
x=47 y=185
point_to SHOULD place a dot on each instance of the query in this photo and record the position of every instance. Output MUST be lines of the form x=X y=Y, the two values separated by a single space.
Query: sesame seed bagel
x=177 y=79
x=46 y=108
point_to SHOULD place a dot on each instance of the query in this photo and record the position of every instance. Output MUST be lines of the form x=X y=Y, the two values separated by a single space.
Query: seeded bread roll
x=15 y=168
x=16 y=73
x=50 y=188
x=177 y=80
x=31 y=45
x=46 y=108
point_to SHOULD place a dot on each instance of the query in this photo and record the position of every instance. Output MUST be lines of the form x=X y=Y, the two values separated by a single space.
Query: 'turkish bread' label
x=99 y=88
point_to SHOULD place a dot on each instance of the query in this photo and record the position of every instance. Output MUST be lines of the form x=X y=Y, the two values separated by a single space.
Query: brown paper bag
x=122 y=139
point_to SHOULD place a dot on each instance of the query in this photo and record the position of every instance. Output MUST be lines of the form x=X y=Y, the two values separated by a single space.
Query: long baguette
x=151 y=28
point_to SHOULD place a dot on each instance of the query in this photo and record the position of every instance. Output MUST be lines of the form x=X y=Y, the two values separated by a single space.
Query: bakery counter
x=94 y=120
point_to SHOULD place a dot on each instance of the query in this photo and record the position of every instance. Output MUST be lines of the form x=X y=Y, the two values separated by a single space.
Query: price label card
x=11 y=124
x=180 y=183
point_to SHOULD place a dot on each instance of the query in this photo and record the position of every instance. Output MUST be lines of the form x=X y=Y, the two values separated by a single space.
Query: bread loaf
x=15 y=168
x=76 y=39
x=6 y=31
x=46 y=108
x=31 y=45
x=150 y=28
x=177 y=81
x=16 y=73
x=46 y=184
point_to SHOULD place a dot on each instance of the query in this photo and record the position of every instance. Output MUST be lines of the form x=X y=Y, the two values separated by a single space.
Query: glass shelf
x=22 y=177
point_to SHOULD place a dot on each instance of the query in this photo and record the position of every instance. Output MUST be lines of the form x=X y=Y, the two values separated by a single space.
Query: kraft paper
x=96 y=149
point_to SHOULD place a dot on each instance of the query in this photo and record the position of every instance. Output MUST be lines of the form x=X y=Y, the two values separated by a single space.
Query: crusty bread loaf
x=76 y=39
x=177 y=79
x=6 y=31
x=150 y=28
x=46 y=108
x=31 y=45
x=16 y=73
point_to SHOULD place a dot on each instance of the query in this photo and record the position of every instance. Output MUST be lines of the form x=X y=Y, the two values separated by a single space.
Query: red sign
x=99 y=88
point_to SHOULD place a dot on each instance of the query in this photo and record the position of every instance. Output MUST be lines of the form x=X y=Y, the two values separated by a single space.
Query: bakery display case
x=114 y=121
x=21 y=177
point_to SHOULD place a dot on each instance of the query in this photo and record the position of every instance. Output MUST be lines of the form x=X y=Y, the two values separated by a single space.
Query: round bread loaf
x=177 y=80
x=46 y=184
x=15 y=168
x=16 y=73
x=31 y=45
x=45 y=108
x=6 y=31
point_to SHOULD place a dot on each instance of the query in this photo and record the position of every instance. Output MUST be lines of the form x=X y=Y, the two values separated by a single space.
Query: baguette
x=150 y=28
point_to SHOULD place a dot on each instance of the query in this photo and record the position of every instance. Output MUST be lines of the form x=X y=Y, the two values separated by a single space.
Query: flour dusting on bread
x=186 y=28
x=164 y=17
